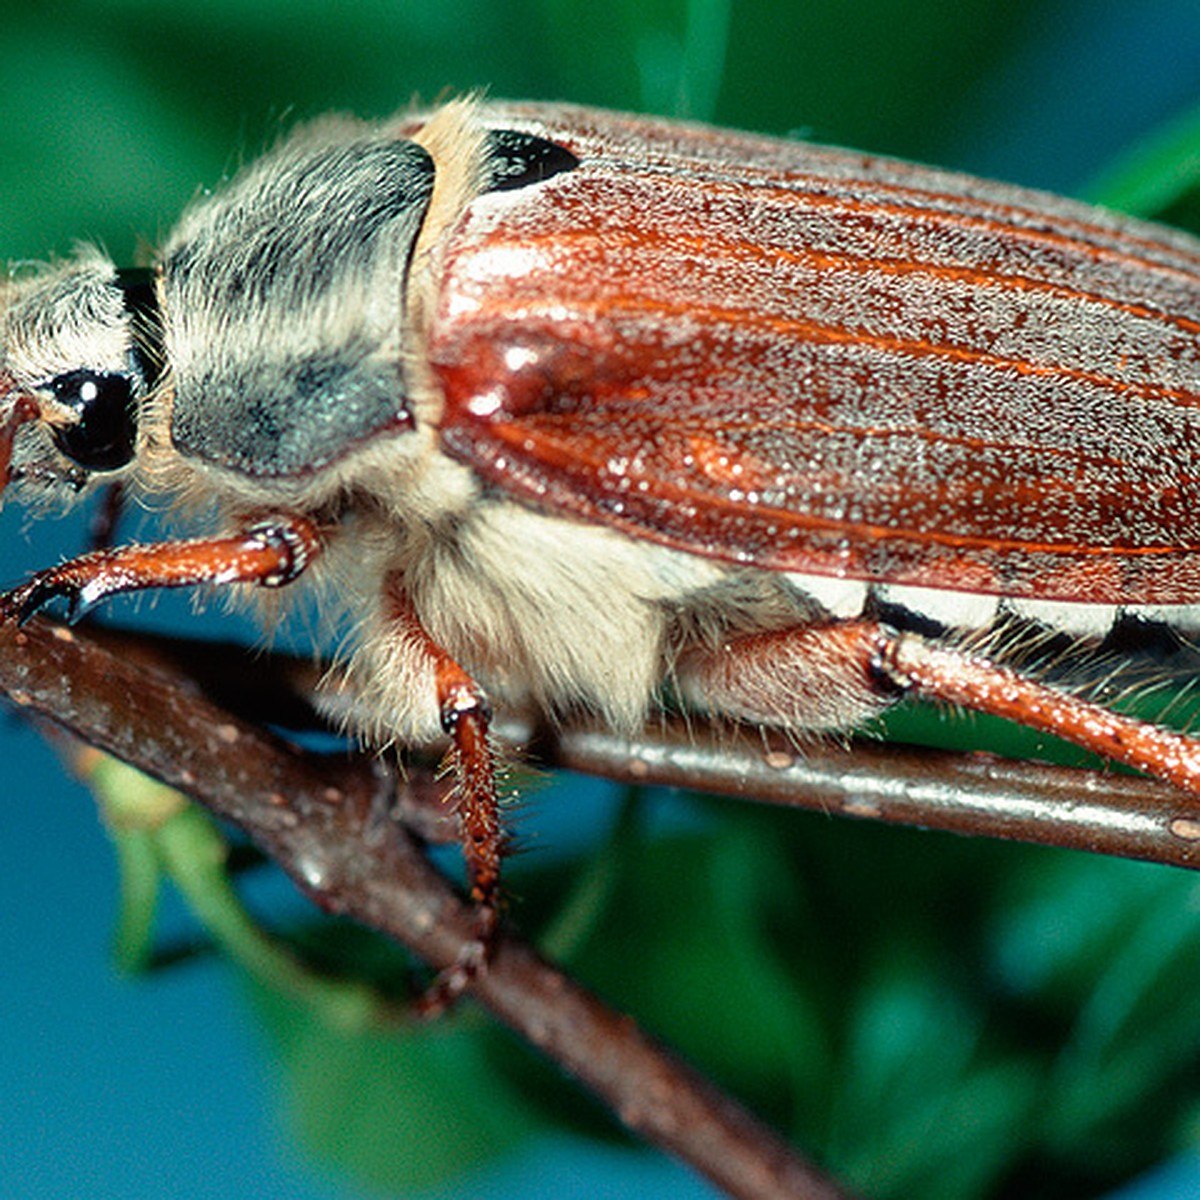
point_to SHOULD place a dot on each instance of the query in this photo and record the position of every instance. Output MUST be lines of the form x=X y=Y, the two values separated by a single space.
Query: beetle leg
x=943 y=673
x=807 y=677
x=465 y=713
x=270 y=552
x=834 y=676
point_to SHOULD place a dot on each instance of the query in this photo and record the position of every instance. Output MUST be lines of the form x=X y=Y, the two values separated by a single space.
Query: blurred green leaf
x=1158 y=178
x=139 y=879
x=399 y=1111
x=712 y=980
x=1110 y=948
x=873 y=74
x=925 y=1109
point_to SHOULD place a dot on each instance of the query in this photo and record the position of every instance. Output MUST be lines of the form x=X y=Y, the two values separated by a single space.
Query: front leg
x=270 y=552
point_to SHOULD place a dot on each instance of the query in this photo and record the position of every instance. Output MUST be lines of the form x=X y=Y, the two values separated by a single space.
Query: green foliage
x=402 y=1109
x=1160 y=178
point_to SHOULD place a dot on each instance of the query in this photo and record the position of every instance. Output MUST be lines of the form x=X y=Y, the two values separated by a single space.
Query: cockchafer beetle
x=595 y=412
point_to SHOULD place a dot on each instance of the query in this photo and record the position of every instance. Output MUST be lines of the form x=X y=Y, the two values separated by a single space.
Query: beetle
x=589 y=411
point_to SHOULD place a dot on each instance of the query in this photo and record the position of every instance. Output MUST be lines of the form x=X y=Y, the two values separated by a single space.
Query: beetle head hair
x=71 y=378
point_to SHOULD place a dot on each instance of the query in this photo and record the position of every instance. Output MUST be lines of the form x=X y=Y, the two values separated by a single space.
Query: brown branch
x=978 y=794
x=982 y=795
x=319 y=818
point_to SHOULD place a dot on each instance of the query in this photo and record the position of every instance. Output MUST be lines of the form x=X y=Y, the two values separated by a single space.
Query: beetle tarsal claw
x=22 y=604
x=294 y=542
x=25 y=602
x=448 y=986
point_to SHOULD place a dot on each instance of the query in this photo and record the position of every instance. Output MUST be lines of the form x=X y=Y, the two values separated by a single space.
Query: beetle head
x=281 y=305
x=71 y=377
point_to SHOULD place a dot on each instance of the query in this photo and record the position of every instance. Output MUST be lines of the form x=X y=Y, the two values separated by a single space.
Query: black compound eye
x=103 y=438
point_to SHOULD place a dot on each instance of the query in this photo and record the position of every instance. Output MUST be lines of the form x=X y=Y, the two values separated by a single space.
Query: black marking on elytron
x=140 y=296
x=936 y=611
x=1134 y=634
x=900 y=617
x=520 y=159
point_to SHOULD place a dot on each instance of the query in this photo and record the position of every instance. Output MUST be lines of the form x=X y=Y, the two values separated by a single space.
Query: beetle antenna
x=23 y=410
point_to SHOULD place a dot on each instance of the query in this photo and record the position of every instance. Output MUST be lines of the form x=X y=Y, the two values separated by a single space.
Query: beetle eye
x=103 y=437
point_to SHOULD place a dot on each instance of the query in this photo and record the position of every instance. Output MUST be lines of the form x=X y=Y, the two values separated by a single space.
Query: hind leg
x=834 y=676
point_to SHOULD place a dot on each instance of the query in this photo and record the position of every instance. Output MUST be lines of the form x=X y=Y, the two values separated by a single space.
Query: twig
x=147 y=701
x=1101 y=812
x=978 y=794
x=320 y=818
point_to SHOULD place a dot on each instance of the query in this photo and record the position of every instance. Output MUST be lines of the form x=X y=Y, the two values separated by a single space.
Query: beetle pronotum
x=590 y=411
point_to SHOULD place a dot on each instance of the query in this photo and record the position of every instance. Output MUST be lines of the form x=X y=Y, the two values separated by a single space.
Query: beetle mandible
x=594 y=412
